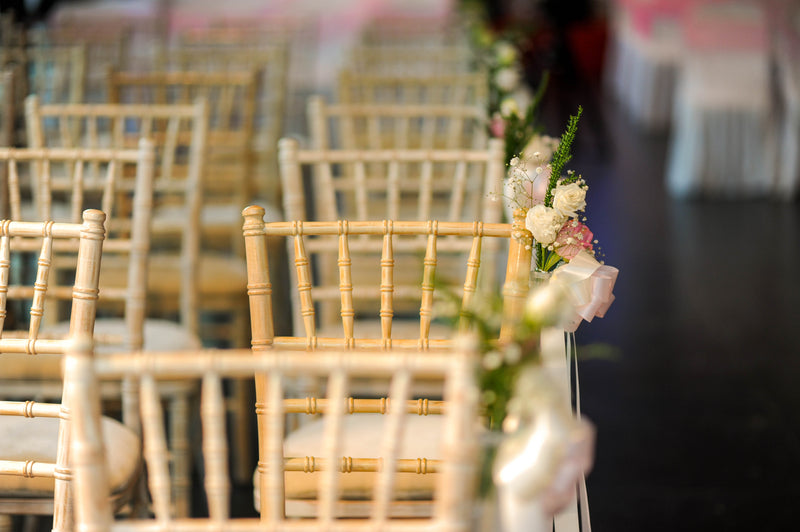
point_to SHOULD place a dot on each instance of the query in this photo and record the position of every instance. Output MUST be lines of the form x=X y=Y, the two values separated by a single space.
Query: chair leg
x=181 y=455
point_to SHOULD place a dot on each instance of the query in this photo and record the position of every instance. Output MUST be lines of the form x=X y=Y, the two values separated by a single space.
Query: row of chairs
x=430 y=175
x=273 y=358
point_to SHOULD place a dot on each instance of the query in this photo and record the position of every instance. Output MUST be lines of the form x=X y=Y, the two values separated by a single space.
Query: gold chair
x=360 y=185
x=410 y=59
x=429 y=242
x=34 y=436
x=106 y=46
x=271 y=60
x=231 y=98
x=395 y=126
x=227 y=166
x=464 y=88
x=173 y=264
x=274 y=371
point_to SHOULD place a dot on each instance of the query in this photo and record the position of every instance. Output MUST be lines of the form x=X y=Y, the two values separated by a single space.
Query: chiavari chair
x=430 y=242
x=35 y=476
x=394 y=184
x=390 y=464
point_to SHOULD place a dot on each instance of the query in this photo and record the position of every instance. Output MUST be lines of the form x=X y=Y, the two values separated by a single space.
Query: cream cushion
x=400 y=329
x=219 y=274
x=159 y=335
x=362 y=438
x=171 y=218
x=36 y=439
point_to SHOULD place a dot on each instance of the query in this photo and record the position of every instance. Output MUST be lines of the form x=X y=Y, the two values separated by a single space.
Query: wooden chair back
x=71 y=180
x=413 y=30
x=231 y=103
x=272 y=62
x=106 y=46
x=428 y=241
x=362 y=185
x=275 y=372
x=395 y=126
x=85 y=239
x=397 y=184
x=410 y=60
x=55 y=73
x=465 y=88
x=179 y=136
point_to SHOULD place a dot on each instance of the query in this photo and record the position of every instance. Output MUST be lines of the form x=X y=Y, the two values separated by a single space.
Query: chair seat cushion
x=400 y=329
x=170 y=218
x=36 y=439
x=219 y=274
x=159 y=335
x=362 y=438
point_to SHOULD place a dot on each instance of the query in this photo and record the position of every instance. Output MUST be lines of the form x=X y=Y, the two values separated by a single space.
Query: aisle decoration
x=512 y=109
x=537 y=449
x=564 y=247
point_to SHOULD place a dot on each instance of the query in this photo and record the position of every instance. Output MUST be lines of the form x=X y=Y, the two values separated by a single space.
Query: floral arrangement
x=554 y=203
x=512 y=109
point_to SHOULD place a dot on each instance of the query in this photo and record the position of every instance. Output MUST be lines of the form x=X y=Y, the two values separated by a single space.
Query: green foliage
x=562 y=155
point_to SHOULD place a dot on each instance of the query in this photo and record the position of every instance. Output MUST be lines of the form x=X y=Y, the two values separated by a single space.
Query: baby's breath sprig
x=562 y=155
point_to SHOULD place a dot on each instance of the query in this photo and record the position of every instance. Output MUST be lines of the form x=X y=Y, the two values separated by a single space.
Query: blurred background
x=690 y=145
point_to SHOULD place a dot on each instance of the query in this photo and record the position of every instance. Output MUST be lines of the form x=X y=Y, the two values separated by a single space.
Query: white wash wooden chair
x=453 y=470
x=227 y=165
x=465 y=88
x=68 y=182
x=177 y=272
x=106 y=46
x=430 y=242
x=395 y=126
x=271 y=60
x=410 y=59
x=361 y=185
x=55 y=73
x=231 y=97
x=34 y=436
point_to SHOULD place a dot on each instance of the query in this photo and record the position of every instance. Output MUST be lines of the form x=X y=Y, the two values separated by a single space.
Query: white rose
x=569 y=199
x=509 y=107
x=507 y=79
x=505 y=52
x=544 y=223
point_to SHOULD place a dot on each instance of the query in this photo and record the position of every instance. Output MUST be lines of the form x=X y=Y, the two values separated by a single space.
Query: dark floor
x=696 y=416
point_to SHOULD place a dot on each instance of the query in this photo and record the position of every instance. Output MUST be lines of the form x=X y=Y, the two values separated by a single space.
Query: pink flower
x=497 y=126
x=573 y=237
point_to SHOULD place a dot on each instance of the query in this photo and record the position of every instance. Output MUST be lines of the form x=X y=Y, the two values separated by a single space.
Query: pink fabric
x=645 y=15
x=707 y=28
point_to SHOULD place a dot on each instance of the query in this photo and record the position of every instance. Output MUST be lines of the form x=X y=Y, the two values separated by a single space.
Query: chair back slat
x=215 y=448
x=40 y=285
x=346 y=285
x=390 y=446
x=155 y=450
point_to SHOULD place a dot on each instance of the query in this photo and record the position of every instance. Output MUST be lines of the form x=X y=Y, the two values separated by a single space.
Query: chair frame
x=329 y=121
x=451 y=510
x=89 y=235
